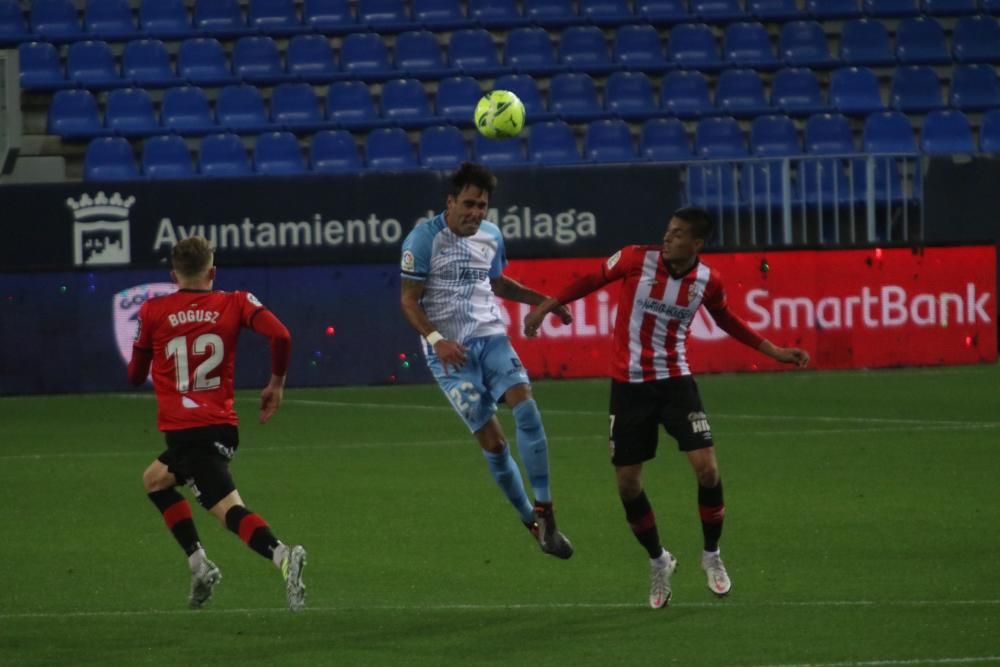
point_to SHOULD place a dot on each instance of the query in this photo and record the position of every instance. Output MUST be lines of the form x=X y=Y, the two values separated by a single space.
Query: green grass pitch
x=863 y=529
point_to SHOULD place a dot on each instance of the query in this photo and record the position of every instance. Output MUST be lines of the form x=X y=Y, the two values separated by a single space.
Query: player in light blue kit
x=452 y=272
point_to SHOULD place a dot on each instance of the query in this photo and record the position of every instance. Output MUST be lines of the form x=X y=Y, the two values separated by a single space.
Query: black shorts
x=199 y=457
x=638 y=408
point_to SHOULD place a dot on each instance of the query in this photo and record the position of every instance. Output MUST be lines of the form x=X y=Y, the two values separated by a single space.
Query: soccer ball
x=499 y=115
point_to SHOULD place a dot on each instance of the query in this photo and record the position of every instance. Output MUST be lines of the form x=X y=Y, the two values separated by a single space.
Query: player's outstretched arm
x=267 y=324
x=786 y=355
x=270 y=397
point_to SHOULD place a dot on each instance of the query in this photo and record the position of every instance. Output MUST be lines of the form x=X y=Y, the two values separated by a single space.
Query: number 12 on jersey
x=210 y=344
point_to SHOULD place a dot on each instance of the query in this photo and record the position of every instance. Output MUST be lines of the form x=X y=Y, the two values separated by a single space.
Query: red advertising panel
x=849 y=308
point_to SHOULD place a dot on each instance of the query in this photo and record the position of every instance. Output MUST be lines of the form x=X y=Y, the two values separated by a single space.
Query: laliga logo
x=125 y=312
x=100 y=229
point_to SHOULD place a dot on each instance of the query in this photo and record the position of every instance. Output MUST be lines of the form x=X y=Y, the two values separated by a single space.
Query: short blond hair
x=192 y=257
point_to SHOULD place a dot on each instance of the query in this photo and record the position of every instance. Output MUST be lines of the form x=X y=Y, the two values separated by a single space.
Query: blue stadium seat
x=439 y=14
x=573 y=97
x=855 y=90
x=457 y=98
x=334 y=152
x=638 y=47
x=629 y=95
x=328 y=16
x=364 y=54
x=583 y=49
x=13 y=26
x=833 y=9
x=803 y=43
x=552 y=142
x=740 y=92
x=129 y=112
x=825 y=182
x=976 y=39
x=891 y=8
x=609 y=141
x=774 y=10
x=685 y=94
x=712 y=186
x=146 y=63
x=294 y=106
x=201 y=61
x=865 y=42
x=310 y=58
x=41 y=67
x=73 y=115
x=717 y=11
x=223 y=155
x=550 y=13
x=921 y=41
x=349 y=104
x=974 y=88
x=946 y=132
x=774 y=136
x=384 y=15
x=419 y=55
x=664 y=140
x=256 y=60
x=110 y=159
x=164 y=19
x=691 y=45
x=91 y=64
x=186 y=110
x=278 y=154
x=442 y=147
x=389 y=149
x=108 y=19
x=748 y=45
x=240 y=109
x=495 y=14
x=989 y=132
x=404 y=102
x=222 y=18
x=274 y=17
x=606 y=12
x=529 y=50
x=796 y=91
x=888 y=132
x=662 y=11
x=950 y=7
x=473 y=52
x=499 y=153
x=915 y=89
x=828 y=134
x=719 y=138
x=55 y=19
x=167 y=156
x=888 y=179
x=761 y=186
x=526 y=89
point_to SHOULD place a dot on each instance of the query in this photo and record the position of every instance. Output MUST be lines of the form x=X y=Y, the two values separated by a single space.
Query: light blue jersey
x=458 y=298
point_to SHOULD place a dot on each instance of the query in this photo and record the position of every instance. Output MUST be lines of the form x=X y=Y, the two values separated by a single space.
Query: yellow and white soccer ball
x=499 y=115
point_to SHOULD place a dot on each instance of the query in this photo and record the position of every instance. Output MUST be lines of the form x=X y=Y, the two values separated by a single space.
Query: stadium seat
x=109 y=159
x=921 y=40
x=73 y=115
x=712 y=186
x=573 y=97
x=529 y=50
x=419 y=55
x=828 y=134
x=685 y=94
x=915 y=89
x=473 y=52
x=442 y=147
x=439 y=14
x=278 y=154
x=629 y=95
x=740 y=92
x=294 y=106
x=201 y=61
x=55 y=19
x=691 y=45
x=550 y=13
x=638 y=47
x=456 y=99
x=185 y=110
x=310 y=58
x=222 y=18
x=129 y=112
x=803 y=44
x=383 y=15
x=774 y=136
x=946 y=132
x=608 y=141
x=664 y=140
x=717 y=11
x=256 y=60
x=824 y=181
x=606 y=13
x=273 y=17
x=888 y=132
x=334 y=152
x=495 y=14
x=499 y=153
x=583 y=49
x=389 y=149
x=404 y=102
x=891 y=8
x=719 y=138
x=349 y=104
x=13 y=26
x=976 y=39
x=774 y=10
x=92 y=65
x=833 y=9
x=364 y=54
x=328 y=16
x=748 y=45
x=164 y=18
x=796 y=91
x=855 y=90
x=167 y=156
x=552 y=142
x=240 y=109
x=223 y=155
x=146 y=63
x=41 y=67
x=989 y=132
x=108 y=19
x=761 y=185
x=950 y=7
x=865 y=42
x=526 y=89
x=974 y=88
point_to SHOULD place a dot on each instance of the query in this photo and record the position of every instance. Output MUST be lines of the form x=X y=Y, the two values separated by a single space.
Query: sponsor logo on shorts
x=699 y=423
x=227 y=452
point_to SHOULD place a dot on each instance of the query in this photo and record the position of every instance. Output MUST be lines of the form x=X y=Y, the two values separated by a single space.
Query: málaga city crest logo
x=101 y=229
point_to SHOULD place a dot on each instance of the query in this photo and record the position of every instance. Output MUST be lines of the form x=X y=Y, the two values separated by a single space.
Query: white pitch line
x=890 y=662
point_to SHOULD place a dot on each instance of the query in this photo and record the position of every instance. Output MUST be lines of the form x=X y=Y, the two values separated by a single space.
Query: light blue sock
x=534 y=448
x=508 y=478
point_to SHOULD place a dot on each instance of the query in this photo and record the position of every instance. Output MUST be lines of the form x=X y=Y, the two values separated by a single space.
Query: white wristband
x=433 y=337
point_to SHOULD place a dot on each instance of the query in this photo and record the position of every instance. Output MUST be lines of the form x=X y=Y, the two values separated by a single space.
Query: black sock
x=642 y=521
x=713 y=511
x=177 y=515
x=252 y=529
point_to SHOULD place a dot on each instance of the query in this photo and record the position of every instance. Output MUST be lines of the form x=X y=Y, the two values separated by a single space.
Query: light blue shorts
x=491 y=368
